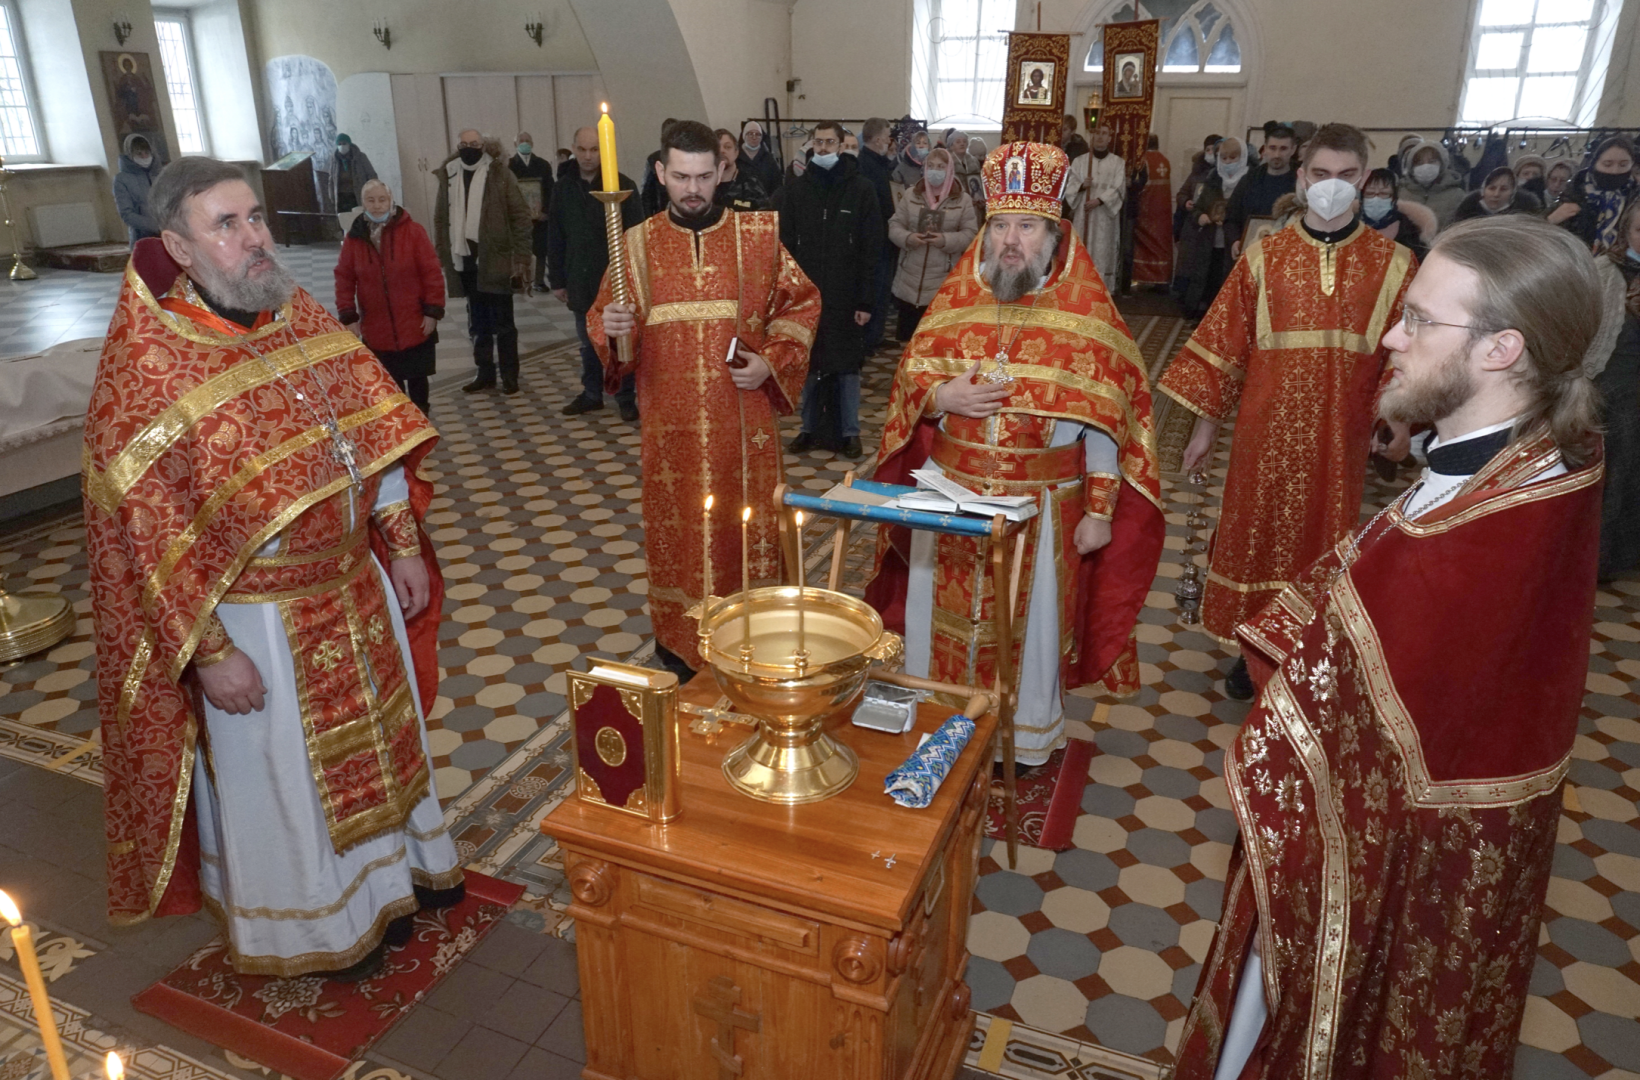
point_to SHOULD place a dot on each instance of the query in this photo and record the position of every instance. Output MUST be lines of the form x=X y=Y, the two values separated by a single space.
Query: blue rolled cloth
x=916 y=780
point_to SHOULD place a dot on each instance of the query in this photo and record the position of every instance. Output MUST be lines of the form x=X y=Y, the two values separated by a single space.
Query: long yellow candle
x=23 y=938
x=606 y=151
x=801 y=651
x=706 y=550
x=745 y=583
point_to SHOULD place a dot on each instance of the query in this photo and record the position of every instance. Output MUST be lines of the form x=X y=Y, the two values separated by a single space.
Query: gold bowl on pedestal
x=764 y=673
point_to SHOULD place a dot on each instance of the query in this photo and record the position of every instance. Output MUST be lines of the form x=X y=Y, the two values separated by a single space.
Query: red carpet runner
x=311 y=1028
x=1049 y=801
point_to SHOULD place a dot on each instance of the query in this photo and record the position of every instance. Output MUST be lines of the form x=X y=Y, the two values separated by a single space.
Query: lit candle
x=746 y=582
x=802 y=653
x=706 y=551
x=606 y=151
x=23 y=939
x=113 y=1067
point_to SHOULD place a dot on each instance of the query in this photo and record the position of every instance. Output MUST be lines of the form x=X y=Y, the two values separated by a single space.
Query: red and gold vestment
x=1295 y=338
x=1398 y=785
x=1153 y=228
x=197 y=455
x=694 y=292
x=1072 y=359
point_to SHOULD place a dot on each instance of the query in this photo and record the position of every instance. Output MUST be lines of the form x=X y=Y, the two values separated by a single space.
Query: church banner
x=1039 y=68
x=1130 y=85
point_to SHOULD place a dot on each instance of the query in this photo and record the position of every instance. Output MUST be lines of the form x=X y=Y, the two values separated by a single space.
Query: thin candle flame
x=604 y=105
x=8 y=910
x=114 y=1067
x=745 y=514
x=709 y=502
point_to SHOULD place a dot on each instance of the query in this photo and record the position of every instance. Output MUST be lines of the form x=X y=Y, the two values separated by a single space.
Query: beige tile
x=1156 y=886
x=1197 y=938
x=1098 y=834
x=1049 y=1004
x=1605 y=989
x=1113 y=770
x=1547 y=1028
x=1621 y=870
x=1076 y=909
x=1576 y=900
x=1179 y=755
x=1138 y=973
x=1606 y=804
x=492 y=664
x=1169 y=815
x=996 y=936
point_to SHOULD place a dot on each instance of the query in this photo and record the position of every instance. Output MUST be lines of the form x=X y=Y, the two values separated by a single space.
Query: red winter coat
x=388 y=291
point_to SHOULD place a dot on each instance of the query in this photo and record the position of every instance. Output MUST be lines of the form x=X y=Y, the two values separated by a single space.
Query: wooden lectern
x=750 y=941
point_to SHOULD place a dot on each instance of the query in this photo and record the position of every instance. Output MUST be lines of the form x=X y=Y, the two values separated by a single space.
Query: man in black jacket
x=832 y=224
x=654 y=192
x=577 y=253
x=1258 y=191
x=876 y=167
x=526 y=164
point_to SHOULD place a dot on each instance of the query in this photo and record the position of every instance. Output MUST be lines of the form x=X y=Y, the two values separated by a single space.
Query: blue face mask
x=524 y=149
x=1377 y=208
x=1634 y=256
x=378 y=219
x=823 y=161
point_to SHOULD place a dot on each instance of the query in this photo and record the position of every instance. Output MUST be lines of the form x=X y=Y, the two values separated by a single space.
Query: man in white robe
x=1098 y=184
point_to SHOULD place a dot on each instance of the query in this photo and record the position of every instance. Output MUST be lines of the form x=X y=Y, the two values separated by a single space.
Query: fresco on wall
x=132 y=99
x=302 y=94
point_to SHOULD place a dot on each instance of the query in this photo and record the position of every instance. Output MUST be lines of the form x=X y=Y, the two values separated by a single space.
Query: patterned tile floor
x=1086 y=956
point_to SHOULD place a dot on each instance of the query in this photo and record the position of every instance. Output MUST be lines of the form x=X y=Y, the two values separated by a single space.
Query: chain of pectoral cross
x=343 y=450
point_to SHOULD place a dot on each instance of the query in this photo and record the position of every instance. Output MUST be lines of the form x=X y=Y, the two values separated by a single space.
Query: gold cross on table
x=718 y=1003
x=327 y=656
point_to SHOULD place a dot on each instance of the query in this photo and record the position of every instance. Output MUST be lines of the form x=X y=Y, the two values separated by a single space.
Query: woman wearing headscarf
x=910 y=169
x=1529 y=170
x=1593 y=204
x=963 y=163
x=389 y=283
x=756 y=159
x=1410 y=224
x=932 y=226
x=1500 y=194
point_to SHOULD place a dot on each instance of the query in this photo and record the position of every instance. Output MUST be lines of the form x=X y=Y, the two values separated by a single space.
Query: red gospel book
x=625 y=722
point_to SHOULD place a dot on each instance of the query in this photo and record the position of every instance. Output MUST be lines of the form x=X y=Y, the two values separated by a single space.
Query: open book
x=939 y=494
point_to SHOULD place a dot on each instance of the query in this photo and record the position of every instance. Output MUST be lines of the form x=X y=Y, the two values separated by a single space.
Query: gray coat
x=1444 y=195
x=363 y=172
x=131 y=186
x=922 y=270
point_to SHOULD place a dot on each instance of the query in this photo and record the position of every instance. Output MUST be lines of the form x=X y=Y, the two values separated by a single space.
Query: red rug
x=1049 y=801
x=310 y=1028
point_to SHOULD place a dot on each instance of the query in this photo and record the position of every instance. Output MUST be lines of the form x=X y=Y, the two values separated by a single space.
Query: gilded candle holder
x=791 y=759
x=615 y=237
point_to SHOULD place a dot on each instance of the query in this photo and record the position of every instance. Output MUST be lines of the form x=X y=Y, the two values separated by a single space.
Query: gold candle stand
x=31 y=624
x=614 y=235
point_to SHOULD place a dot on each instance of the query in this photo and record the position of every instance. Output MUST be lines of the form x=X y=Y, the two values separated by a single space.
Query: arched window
x=1546 y=59
x=1196 y=37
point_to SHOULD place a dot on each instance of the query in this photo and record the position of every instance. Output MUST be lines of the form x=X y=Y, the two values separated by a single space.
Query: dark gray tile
x=555 y=967
x=523 y=1011
x=468 y=991
x=481 y=1054
x=565 y=1037
x=508 y=949
x=423 y=1038
x=539 y=1064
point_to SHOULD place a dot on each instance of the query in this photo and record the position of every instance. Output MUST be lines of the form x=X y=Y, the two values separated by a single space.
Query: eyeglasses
x=1411 y=322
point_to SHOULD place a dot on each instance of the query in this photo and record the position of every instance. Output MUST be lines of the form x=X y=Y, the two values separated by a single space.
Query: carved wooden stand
x=755 y=942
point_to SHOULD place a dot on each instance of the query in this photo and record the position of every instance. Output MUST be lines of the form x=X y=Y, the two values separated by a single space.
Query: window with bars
x=967 y=60
x=176 y=52
x=1194 y=37
x=19 y=126
x=1536 y=58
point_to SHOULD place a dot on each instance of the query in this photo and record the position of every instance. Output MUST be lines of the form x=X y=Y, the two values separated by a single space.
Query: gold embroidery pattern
x=691 y=311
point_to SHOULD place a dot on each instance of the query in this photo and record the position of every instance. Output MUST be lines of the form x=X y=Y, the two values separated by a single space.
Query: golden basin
x=790 y=759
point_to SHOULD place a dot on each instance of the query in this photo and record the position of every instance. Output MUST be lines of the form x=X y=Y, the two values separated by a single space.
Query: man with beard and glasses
x=721 y=325
x=1293 y=340
x=1022 y=380
x=1398 y=785
x=263 y=591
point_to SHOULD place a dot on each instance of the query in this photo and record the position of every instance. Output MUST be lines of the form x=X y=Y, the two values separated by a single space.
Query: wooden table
x=748 y=941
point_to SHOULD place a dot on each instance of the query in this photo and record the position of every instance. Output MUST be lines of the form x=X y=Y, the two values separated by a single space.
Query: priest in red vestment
x=1398 y=785
x=1022 y=380
x=1153 y=228
x=702 y=279
x=1293 y=339
x=265 y=601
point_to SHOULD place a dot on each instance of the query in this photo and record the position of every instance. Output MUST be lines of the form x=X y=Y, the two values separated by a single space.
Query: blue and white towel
x=919 y=777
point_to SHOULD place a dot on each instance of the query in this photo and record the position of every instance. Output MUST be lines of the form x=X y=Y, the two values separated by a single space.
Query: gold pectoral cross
x=344 y=451
x=718 y=1003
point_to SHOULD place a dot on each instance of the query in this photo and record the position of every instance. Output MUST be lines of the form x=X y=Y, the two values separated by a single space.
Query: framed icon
x=1036 y=83
x=1258 y=227
x=1130 y=77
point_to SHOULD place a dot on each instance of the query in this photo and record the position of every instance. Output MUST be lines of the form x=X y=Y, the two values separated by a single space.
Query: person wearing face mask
x=1204 y=251
x=830 y=222
x=910 y=169
x=1094 y=196
x=526 y=164
x=131 y=185
x=739 y=191
x=350 y=171
x=1293 y=340
x=1614 y=365
x=1201 y=167
x=756 y=159
x=1555 y=181
x=1411 y=225
x=931 y=227
x=483 y=233
x=390 y=291
x=1500 y=194
x=1429 y=179
x=1264 y=185
x=1529 y=175
x=1593 y=202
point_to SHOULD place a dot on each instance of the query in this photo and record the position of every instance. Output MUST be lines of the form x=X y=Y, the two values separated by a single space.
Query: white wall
x=741 y=50
x=364 y=110
x=854 y=57
x=222 y=66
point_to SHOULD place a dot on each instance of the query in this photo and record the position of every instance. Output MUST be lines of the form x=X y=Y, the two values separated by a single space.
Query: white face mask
x=1426 y=174
x=1229 y=170
x=143 y=160
x=1330 y=198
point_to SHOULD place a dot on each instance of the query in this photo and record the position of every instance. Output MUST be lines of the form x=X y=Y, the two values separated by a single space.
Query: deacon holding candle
x=22 y=938
x=720 y=320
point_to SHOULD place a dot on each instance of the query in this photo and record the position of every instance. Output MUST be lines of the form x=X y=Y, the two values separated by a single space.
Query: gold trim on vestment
x=793 y=330
x=1403 y=731
x=260 y=562
x=390 y=509
x=1028 y=317
x=1332 y=933
x=1547 y=489
x=691 y=311
x=109 y=487
x=637 y=257
x=298 y=594
x=1204 y=353
x=179 y=812
x=1250 y=587
x=187 y=329
x=1400 y=264
x=309 y=963
x=325 y=912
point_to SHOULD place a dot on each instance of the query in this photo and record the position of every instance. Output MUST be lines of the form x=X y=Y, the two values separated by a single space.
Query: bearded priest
x=1291 y=347
x=1398 y=785
x=265 y=602
x=1022 y=380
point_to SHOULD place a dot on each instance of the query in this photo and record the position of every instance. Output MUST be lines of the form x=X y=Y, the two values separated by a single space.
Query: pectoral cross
x=344 y=450
x=718 y=1003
